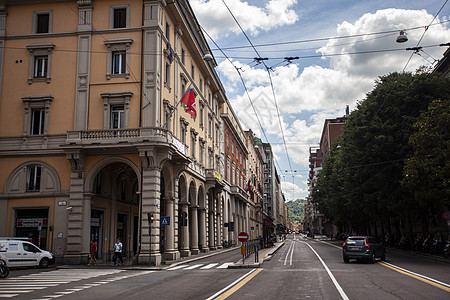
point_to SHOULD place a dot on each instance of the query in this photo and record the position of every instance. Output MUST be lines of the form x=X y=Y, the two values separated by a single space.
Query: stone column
x=79 y=214
x=211 y=231
x=184 y=232
x=170 y=252
x=202 y=229
x=193 y=228
x=150 y=201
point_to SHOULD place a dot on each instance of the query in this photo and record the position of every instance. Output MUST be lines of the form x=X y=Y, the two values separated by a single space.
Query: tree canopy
x=361 y=178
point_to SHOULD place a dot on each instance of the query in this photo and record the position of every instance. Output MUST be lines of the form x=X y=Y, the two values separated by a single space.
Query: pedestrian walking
x=93 y=254
x=118 y=253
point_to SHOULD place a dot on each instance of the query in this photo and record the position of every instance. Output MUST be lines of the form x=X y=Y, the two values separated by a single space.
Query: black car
x=362 y=248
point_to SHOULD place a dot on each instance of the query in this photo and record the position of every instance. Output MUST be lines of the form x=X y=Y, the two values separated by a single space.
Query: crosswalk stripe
x=209 y=266
x=177 y=267
x=193 y=267
x=8 y=295
x=224 y=266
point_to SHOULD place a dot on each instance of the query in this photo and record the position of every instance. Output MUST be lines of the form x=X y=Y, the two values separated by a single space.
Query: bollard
x=256 y=253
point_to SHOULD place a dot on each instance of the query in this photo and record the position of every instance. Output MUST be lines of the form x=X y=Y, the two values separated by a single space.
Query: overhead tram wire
x=331 y=38
x=270 y=77
x=242 y=80
x=423 y=34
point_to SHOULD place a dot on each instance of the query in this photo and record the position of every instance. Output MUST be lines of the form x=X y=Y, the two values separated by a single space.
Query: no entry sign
x=242 y=237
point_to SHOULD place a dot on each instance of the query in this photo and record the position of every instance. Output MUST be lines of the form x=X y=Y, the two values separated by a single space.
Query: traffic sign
x=165 y=221
x=242 y=237
x=446 y=215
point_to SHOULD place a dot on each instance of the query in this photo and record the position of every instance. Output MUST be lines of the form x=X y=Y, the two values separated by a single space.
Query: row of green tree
x=390 y=168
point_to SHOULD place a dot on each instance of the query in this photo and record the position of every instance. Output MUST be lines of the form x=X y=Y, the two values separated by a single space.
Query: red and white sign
x=242 y=237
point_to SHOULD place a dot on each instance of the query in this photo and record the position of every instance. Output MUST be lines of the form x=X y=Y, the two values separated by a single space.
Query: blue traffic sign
x=165 y=221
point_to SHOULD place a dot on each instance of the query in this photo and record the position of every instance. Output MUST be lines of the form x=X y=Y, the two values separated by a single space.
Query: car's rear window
x=355 y=242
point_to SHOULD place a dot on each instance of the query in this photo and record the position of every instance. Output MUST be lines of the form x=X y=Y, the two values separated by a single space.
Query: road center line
x=236 y=282
x=434 y=282
x=336 y=284
x=291 y=248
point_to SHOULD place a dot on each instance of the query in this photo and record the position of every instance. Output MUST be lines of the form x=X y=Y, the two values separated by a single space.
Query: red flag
x=189 y=100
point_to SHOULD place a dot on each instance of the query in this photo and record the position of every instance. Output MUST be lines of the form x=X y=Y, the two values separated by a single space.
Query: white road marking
x=177 y=267
x=423 y=276
x=291 y=251
x=231 y=285
x=225 y=265
x=193 y=267
x=336 y=284
x=209 y=266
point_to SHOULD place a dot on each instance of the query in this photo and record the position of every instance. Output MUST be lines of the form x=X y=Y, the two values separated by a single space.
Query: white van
x=19 y=253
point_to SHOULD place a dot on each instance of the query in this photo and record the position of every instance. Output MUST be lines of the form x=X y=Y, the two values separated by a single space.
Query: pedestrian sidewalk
x=265 y=254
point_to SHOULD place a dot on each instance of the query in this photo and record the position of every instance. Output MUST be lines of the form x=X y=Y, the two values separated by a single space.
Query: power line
x=260 y=59
x=423 y=34
x=331 y=38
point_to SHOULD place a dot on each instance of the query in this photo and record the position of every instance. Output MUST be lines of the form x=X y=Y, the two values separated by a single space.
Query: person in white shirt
x=118 y=253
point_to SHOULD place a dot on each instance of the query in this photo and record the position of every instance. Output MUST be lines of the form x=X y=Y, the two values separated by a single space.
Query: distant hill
x=296 y=210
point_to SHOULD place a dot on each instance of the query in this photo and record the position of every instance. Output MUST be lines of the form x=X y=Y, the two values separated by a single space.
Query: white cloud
x=308 y=96
x=214 y=16
x=374 y=65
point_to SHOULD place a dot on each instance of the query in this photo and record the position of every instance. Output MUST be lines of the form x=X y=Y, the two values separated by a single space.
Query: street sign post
x=243 y=237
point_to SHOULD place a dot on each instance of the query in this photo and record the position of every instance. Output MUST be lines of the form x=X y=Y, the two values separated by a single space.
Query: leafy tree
x=427 y=173
x=295 y=210
x=360 y=180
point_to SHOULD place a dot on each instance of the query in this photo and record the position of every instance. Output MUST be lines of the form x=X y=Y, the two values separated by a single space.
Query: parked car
x=19 y=253
x=362 y=248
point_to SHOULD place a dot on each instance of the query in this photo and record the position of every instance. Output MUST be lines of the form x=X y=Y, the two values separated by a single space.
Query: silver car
x=362 y=248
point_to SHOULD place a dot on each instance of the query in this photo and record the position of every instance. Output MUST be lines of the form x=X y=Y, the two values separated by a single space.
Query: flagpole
x=176 y=106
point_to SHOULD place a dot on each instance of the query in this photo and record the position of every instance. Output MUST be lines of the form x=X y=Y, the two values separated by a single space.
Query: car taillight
x=365 y=242
x=344 y=243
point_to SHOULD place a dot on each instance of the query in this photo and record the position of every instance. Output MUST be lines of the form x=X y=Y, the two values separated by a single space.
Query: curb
x=267 y=257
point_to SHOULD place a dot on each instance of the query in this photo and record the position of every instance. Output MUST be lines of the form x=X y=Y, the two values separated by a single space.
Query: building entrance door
x=97 y=230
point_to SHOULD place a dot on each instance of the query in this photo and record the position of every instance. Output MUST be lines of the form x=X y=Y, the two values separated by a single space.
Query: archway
x=114 y=212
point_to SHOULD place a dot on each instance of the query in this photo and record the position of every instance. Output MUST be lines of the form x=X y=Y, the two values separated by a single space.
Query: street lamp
x=402 y=37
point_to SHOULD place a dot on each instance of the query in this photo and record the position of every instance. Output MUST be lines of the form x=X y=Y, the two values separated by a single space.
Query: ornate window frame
x=36 y=102
x=116 y=98
x=111 y=15
x=114 y=45
x=39 y=50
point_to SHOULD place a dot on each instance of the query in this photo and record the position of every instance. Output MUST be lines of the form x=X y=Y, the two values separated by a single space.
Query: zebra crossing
x=201 y=266
x=12 y=287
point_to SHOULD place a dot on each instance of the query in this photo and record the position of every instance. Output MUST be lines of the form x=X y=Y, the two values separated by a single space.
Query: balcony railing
x=156 y=134
x=110 y=134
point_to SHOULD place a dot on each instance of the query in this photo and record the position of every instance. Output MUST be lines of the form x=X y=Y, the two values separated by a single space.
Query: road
x=301 y=269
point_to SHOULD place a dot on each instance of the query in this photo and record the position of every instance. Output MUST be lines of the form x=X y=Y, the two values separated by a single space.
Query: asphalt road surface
x=301 y=269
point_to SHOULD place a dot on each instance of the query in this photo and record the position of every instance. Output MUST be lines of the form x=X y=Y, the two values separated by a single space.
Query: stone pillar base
x=153 y=260
x=205 y=250
x=185 y=253
x=195 y=251
x=172 y=255
x=75 y=259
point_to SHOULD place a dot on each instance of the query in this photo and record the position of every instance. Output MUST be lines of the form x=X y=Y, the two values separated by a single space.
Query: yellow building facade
x=94 y=142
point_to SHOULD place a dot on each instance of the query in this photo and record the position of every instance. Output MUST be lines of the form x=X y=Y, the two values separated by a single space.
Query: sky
x=339 y=49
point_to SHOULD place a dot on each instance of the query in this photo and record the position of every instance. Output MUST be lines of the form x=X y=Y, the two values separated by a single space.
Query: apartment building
x=254 y=184
x=94 y=142
x=235 y=160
